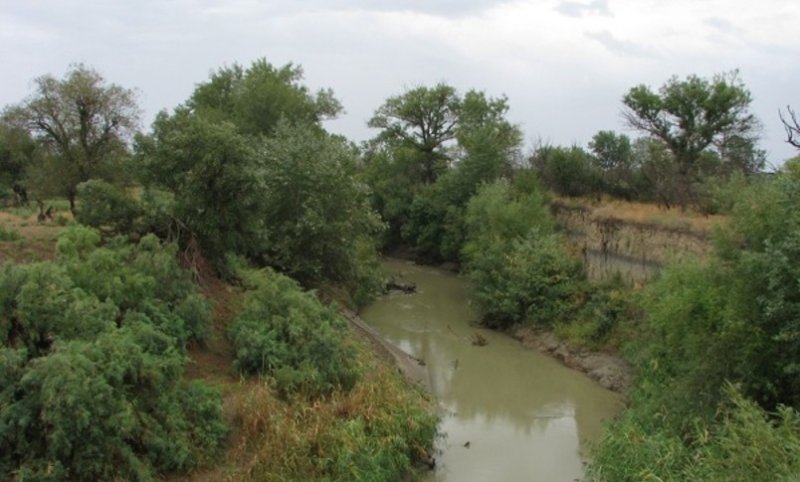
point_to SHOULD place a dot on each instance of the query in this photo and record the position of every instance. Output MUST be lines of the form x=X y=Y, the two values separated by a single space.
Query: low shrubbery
x=285 y=333
x=91 y=364
x=744 y=444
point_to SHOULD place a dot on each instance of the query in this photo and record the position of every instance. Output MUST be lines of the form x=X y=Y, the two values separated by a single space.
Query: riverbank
x=610 y=371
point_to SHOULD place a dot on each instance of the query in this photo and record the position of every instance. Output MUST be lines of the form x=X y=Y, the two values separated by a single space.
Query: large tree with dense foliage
x=705 y=124
x=423 y=119
x=434 y=150
x=82 y=123
x=250 y=171
x=255 y=99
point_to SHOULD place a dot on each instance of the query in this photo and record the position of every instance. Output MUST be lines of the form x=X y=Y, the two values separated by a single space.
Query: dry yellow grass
x=645 y=213
x=37 y=240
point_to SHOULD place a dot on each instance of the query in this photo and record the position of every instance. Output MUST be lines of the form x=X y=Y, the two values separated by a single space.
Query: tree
x=17 y=151
x=210 y=169
x=83 y=123
x=257 y=98
x=425 y=119
x=611 y=150
x=792 y=126
x=567 y=171
x=434 y=151
x=693 y=116
x=612 y=154
x=318 y=224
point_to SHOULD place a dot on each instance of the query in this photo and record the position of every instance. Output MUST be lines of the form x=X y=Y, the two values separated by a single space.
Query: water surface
x=508 y=413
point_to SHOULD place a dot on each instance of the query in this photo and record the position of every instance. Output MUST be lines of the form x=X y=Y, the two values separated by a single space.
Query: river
x=508 y=413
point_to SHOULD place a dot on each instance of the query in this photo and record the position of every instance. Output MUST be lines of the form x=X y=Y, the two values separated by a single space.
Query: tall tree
x=435 y=148
x=693 y=116
x=83 y=123
x=257 y=98
x=17 y=150
x=425 y=119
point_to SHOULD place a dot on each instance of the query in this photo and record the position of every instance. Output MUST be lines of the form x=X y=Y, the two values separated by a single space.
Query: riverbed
x=508 y=413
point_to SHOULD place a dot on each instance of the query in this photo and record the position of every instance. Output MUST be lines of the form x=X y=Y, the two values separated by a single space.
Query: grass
x=645 y=213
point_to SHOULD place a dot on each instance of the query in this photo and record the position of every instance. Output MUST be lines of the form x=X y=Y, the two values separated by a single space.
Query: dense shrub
x=520 y=269
x=107 y=207
x=287 y=334
x=316 y=214
x=528 y=280
x=746 y=444
x=91 y=363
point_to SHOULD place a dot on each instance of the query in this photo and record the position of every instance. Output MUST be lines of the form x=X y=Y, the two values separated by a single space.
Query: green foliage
x=287 y=334
x=316 y=214
x=256 y=99
x=244 y=168
x=704 y=124
x=745 y=444
x=423 y=119
x=107 y=207
x=91 y=364
x=734 y=319
x=81 y=125
x=9 y=234
x=434 y=151
x=209 y=170
x=17 y=151
x=519 y=266
x=568 y=172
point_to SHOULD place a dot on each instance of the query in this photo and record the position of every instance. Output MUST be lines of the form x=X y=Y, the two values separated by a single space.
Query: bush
x=520 y=269
x=107 y=207
x=91 y=364
x=529 y=280
x=9 y=234
x=285 y=333
x=744 y=444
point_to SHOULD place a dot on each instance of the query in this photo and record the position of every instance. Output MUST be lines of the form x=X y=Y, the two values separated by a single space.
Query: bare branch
x=792 y=126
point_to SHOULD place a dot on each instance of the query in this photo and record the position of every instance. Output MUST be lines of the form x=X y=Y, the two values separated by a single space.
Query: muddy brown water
x=508 y=413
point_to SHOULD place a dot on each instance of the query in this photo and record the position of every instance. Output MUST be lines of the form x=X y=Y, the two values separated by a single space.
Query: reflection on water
x=508 y=413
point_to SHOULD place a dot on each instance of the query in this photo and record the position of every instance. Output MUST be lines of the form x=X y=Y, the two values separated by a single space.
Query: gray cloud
x=622 y=47
x=721 y=24
x=579 y=9
x=444 y=8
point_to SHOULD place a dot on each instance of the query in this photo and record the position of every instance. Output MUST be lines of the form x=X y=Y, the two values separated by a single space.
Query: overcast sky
x=564 y=65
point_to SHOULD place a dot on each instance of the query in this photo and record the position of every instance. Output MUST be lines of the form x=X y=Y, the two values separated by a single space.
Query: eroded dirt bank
x=609 y=371
x=636 y=248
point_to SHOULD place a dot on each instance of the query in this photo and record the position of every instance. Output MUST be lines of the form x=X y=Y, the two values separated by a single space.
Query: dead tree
x=792 y=126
